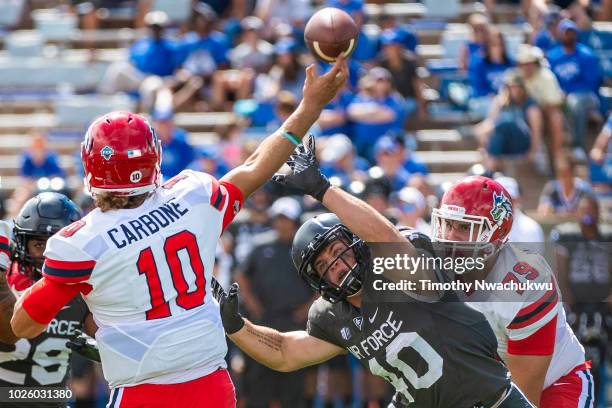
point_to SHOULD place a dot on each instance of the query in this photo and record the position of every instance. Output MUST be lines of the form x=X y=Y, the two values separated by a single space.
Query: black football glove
x=85 y=346
x=228 y=302
x=305 y=174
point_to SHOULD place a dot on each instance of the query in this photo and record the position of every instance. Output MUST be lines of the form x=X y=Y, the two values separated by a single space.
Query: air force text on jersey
x=147 y=224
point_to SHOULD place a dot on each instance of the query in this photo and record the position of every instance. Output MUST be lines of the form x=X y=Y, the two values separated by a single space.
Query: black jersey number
x=50 y=359
x=417 y=343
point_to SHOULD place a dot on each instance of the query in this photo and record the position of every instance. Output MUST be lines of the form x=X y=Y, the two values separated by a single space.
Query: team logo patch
x=345 y=332
x=502 y=207
x=107 y=152
x=358 y=321
x=136 y=176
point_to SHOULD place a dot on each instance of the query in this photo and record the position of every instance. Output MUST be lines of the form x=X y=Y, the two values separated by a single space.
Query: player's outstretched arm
x=361 y=218
x=284 y=352
x=38 y=305
x=288 y=351
x=528 y=373
x=275 y=149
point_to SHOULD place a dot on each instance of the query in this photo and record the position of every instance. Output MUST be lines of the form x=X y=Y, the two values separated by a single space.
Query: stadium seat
x=24 y=44
x=80 y=110
x=54 y=25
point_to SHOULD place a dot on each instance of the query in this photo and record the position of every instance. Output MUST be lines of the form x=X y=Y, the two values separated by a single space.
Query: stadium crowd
x=537 y=109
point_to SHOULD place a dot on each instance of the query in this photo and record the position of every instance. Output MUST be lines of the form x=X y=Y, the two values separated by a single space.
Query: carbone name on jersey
x=147 y=224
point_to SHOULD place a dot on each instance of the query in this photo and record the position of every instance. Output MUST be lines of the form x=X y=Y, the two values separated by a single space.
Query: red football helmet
x=480 y=203
x=122 y=155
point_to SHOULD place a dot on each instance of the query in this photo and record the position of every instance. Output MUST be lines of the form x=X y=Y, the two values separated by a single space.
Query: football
x=330 y=32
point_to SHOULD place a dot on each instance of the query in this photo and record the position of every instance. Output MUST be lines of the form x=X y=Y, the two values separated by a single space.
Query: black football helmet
x=41 y=217
x=310 y=240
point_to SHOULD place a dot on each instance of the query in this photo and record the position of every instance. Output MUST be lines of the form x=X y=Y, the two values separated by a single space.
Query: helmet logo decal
x=502 y=207
x=134 y=153
x=107 y=152
x=455 y=209
x=136 y=176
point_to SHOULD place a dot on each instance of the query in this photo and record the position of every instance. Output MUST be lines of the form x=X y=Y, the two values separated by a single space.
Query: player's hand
x=85 y=346
x=230 y=313
x=305 y=174
x=320 y=90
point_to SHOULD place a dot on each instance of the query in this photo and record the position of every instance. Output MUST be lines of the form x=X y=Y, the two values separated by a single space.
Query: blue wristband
x=290 y=136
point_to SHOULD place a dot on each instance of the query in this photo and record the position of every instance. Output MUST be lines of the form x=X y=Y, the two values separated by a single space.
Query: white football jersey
x=4 y=246
x=517 y=314
x=149 y=270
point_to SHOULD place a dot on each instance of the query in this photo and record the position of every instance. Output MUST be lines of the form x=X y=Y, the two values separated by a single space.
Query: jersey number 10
x=187 y=300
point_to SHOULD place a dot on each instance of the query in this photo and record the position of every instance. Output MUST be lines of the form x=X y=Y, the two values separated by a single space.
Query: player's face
x=335 y=262
x=36 y=247
x=453 y=230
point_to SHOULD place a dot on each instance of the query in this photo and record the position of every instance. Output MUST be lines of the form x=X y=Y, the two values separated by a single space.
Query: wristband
x=290 y=136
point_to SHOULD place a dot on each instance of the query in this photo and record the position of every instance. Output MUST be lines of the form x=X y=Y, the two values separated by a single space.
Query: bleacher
x=38 y=67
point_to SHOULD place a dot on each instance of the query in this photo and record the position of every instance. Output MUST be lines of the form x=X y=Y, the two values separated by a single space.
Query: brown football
x=329 y=32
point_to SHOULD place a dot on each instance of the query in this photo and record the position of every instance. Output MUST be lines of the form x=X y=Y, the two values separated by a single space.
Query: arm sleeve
x=538 y=308
x=65 y=262
x=540 y=343
x=46 y=298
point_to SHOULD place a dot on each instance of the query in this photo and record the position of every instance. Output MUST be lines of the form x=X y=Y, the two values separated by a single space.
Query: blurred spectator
x=177 y=153
x=208 y=160
x=353 y=7
x=251 y=221
x=584 y=266
x=338 y=159
x=356 y=72
x=524 y=228
x=403 y=68
x=561 y=196
x=38 y=161
x=577 y=70
x=204 y=49
x=479 y=25
x=543 y=87
x=268 y=271
x=513 y=126
x=389 y=156
x=376 y=109
x=411 y=207
x=601 y=156
x=275 y=13
x=286 y=74
x=546 y=38
x=253 y=52
x=153 y=55
x=377 y=190
x=407 y=34
x=486 y=72
x=333 y=119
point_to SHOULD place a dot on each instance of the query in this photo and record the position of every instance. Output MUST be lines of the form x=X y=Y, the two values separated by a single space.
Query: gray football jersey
x=440 y=354
x=43 y=360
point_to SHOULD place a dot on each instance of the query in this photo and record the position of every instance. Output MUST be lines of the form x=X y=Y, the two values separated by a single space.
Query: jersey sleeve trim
x=540 y=343
x=68 y=271
x=4 y=245
x=535 y=311
x=236 y=198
